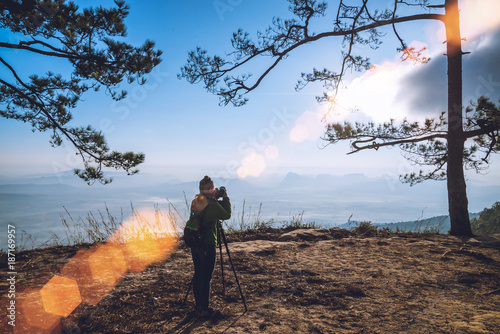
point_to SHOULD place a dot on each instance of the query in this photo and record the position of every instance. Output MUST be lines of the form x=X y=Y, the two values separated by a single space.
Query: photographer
x=212 y=210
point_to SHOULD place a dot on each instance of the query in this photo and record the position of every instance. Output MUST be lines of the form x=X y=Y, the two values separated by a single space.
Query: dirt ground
x=302 y=281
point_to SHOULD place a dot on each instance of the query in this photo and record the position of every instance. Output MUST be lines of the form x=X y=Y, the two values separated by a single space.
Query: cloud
x=398 y=89
x=425 y=91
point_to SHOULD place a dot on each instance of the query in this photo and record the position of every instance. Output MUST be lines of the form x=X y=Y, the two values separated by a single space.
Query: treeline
x=488 y=222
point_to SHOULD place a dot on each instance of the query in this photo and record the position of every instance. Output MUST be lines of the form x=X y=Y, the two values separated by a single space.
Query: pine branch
x=376 y=146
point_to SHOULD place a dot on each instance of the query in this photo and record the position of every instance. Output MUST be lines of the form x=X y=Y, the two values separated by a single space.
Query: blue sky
x=184 y=132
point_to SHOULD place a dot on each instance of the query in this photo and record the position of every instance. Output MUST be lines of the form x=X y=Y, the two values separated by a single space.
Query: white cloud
x=372 y=97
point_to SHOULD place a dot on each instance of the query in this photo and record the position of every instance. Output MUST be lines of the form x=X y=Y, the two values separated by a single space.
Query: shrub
x=488 y=221
x=365 y=228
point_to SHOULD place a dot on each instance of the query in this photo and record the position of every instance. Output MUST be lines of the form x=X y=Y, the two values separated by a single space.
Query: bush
x=365 y=228
x=488 y=222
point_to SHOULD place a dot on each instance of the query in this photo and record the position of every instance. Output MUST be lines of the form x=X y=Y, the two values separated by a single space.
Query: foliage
x=425 y=144
x=355 y=24
x=250 y=221
x=89 y=40
x=488 y=221
x=483 y=125
x=365 y=228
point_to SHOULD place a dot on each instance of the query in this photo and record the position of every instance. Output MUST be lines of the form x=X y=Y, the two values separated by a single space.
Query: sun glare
x=252 y=164
x=477 y=17
x=107 y=264
x=145 y=238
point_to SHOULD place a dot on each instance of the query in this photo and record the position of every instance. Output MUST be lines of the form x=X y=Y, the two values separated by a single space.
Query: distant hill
x=36 y=203
x=442 y=223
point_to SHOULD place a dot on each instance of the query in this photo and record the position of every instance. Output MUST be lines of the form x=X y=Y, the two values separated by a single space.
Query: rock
x=306 y=235
x=489 y=241
x=339 y=232
x=258 y=247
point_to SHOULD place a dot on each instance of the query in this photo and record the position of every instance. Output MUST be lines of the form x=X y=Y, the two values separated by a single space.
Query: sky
x=185 y=133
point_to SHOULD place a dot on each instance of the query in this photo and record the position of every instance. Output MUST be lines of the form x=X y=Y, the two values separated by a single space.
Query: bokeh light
x=78 y=268
x=60 y=296
x=145 y=238
x=34 y=314
x=271 y=152
x=107 y=264
x=252 y=164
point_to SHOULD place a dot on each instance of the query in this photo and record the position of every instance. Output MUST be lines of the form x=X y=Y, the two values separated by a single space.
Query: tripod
x=221 y=237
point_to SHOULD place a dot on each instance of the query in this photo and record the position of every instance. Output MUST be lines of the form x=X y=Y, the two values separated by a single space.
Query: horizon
x=327 y=200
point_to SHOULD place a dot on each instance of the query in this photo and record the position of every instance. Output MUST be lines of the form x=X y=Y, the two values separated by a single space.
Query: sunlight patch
x=253 y=164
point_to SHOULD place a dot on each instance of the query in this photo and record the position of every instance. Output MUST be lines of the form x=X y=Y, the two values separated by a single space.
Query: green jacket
x=213 y=210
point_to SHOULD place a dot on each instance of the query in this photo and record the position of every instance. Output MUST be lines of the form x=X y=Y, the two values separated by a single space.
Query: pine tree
x=89 y=40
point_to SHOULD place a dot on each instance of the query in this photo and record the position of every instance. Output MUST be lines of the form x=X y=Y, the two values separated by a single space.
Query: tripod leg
x=187 y=292
x=232 y=266
x=220 y=253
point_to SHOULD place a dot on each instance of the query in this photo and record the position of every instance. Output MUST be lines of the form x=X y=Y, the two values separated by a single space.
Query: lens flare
x=78 y=268
x=60 y=296
x=147 y=237
x=34 y=314
x=107 y=264
x=252 y=164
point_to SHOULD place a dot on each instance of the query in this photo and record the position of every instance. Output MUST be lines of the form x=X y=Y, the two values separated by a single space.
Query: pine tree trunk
x=457 y=194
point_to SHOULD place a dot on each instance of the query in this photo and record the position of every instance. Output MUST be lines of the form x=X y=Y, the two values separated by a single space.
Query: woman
x=210 y=210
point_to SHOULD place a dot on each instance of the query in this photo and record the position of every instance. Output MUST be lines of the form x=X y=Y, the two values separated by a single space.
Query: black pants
x=204 y=263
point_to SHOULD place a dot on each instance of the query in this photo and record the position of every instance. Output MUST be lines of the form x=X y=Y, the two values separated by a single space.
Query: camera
x=221 y=192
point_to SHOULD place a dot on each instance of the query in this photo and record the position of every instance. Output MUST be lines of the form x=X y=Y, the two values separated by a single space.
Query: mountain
x=441 y=223
x=36 y=203
x=320 y=181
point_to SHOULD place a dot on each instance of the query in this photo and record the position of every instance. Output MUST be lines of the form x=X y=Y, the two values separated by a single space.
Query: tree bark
x=457 y=193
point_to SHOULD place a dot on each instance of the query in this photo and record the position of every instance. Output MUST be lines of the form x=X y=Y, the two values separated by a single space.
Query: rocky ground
x=300 y=281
